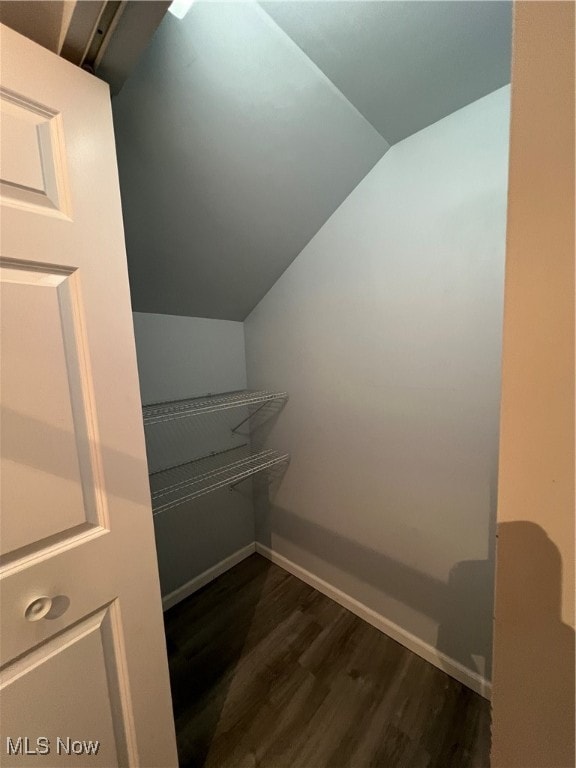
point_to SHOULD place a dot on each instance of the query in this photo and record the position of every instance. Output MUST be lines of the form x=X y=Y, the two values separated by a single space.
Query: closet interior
x=314 y=199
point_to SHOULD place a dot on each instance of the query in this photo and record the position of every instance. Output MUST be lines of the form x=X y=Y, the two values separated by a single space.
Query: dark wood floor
x=268 y=672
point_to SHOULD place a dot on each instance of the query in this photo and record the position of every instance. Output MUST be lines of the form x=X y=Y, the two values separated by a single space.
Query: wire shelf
x=178 y=409
x=174 y=486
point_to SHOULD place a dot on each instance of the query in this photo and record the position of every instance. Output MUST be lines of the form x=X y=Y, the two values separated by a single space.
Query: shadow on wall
x=534 y=688
x=258 y=424
x=534 y=637
x=461 y=607
x=530 y=573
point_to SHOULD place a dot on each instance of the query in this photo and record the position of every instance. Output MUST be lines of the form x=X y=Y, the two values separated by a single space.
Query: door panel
x=83 y=650
x=44 y=419
x=33 y=156
x=50 y=677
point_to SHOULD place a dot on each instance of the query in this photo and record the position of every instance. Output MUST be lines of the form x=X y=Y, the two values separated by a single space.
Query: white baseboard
x=453 y=668
x=207 y=576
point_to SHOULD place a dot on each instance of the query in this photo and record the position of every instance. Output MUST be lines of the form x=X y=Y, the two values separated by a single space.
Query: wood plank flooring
x=267 y=672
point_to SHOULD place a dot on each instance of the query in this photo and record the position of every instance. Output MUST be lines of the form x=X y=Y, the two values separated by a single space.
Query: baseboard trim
x=452 y=667
x=207 y=576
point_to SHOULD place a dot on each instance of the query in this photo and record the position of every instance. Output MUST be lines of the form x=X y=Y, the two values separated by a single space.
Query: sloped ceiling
x=404 y=65
x=233 y=151
x=237 y=141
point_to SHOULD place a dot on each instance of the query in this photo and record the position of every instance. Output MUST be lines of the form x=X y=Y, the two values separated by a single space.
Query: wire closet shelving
x=179 y=484
x=178 y=409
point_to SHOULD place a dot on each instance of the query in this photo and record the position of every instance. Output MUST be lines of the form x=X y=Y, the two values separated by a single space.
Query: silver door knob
x=38 y=608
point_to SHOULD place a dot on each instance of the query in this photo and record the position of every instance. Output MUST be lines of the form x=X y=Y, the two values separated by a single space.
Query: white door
x=82 y=646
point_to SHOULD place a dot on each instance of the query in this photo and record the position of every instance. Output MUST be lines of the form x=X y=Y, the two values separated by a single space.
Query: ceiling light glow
x=180 y=8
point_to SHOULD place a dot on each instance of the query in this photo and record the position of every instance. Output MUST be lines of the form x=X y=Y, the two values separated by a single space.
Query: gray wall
x=180 y=357
x=419 y=61
x=233 y=150
x=386 y=333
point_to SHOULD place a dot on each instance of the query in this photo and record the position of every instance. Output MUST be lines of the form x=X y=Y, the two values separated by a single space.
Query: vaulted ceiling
x=403 y=65
x=244 y=127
